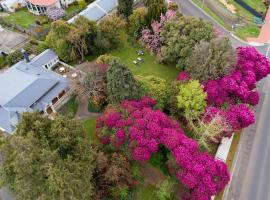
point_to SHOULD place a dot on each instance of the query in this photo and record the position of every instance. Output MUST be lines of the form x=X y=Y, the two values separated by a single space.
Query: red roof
x=42 y=2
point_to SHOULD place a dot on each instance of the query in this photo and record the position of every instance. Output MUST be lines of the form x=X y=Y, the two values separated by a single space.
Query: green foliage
x=48 y=159
x=3 y=62
x=155 y=9
x=70 y=108
x=105 y=59
x=137 y=21
x=158 y=160
x=191 y=99
x=180 y=35
x=136 y=171
x=211 y=60
x=56 y=40
x=155 y=87
x=171 y=101
x=165 y=190
x=109 y=33
x=125 y=7
x=82 y=4
x=121 y=84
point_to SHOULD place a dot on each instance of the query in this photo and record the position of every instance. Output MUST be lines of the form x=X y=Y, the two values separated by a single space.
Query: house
x=97 y=10
x=39 y=7
x=47 y=59
x=28 y=87
x=12 y=5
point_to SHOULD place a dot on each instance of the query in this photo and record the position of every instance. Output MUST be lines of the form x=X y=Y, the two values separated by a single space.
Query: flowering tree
x=139 y=129
x=240 y=84
x=152 y=37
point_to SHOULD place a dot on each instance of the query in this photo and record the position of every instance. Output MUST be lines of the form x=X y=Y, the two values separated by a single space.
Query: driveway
x=10 y=41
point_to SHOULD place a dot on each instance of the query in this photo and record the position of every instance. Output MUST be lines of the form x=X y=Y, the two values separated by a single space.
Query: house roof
x=43 y=2
x=25 y=88
x=96 y=10
x=43 y=58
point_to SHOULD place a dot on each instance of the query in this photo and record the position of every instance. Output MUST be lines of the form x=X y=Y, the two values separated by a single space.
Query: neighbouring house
x=28 y=87
x=12 y=5
x=97 y=10
x=40 y=7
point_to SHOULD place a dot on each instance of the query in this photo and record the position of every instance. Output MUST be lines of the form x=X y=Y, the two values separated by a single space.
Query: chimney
x=25 y=55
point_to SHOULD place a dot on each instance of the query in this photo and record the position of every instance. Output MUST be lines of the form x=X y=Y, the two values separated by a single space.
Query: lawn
x=89 y=126
x=127 y=54
x=145 y=192
x=247 y=31
x=70 y=108
x=23 y=18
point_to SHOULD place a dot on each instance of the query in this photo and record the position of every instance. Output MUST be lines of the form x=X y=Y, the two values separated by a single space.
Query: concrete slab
x=10 y=41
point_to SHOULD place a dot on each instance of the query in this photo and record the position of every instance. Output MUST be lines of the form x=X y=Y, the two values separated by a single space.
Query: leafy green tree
x=125 y=7
x=82 y=4
x=155 y=9
x=155 y=87
x=211 y=60
x=79 y=36
x=48 y=159
x=121 y=84
x=137 y=21
x=171 y=101
x=56 y=40
x=109 y=33
x=191 y=99
x=165 y=190
x=105 y=59
x=180 y=35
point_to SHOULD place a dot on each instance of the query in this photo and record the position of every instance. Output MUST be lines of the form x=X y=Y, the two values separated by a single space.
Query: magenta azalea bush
x=240 y=85
x=139 y=129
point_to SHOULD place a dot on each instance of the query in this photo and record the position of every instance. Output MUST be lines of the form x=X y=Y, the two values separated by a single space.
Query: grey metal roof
x=43 y=58
x=26 y=88
x=96 y=10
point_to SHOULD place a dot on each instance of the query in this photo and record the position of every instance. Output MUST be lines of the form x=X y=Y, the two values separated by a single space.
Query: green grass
x=258 y=5
x=127 y=53
x=89 y=126
x=70 y=108
x=23 y=18
x=247 y=31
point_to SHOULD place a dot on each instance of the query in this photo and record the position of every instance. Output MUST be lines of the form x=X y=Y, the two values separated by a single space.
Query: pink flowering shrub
x=139 y=129
x=55 y=13
x=152 y=37
x=183 y=76
x=239 y=85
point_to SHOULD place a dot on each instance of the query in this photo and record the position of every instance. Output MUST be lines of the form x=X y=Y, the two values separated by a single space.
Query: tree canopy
x=180 y=35
x=121 y=84
x=211 y=60
x=48 y=159
x=125 y=7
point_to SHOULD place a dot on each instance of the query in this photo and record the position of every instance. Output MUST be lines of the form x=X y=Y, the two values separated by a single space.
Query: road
x=250 y=170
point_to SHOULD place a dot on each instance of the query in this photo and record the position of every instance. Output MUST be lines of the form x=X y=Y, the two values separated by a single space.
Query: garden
x=161 y=118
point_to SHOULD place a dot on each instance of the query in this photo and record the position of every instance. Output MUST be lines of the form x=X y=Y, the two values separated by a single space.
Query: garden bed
x=70 y=108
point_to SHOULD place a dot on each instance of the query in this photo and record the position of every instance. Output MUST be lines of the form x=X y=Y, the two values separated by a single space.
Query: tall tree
x=56 y=39
x=78 y=36
x=48 y=159
x=211 y=60
x=155 y=9
x=125 y=7
x=109 y=33
x=180 y=35
x=121 y=84
x=137 y=21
